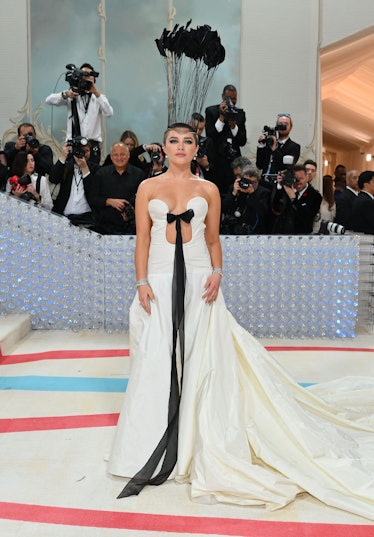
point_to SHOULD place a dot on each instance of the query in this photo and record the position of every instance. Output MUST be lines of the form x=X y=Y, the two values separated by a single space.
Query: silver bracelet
x=142 y=282
x=218 y=270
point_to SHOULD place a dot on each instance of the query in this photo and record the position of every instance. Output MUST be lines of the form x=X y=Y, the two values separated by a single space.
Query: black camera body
x=233 y=225
x=231 y=112
x=269 y=132
x=31 y=141
x=202 y=147
x=128 y=210
x=289 y=178
x=76 y=79
x=244 y=182
x=156 y=156
x=77 y=145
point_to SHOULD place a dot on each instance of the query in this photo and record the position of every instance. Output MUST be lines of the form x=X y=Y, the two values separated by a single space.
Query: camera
x=202 y=147
x=244 y=182
x=269 y=133
x=156 y=156
x=231 y=112
x=330 y=227
x=77 y=145
x=288 y=173
x=129 y=212
x=228 y=150
x=76 y=79
x=31 y=141
x=232 y=225
x=15 y=181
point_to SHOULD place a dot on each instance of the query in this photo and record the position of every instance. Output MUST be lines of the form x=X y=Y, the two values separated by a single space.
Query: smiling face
x=120 y=156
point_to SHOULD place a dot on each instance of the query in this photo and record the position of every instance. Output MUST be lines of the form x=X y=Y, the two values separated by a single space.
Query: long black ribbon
x=168 y=444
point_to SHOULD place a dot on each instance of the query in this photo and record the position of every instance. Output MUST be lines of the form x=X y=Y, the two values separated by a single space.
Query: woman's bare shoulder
x=209 y=188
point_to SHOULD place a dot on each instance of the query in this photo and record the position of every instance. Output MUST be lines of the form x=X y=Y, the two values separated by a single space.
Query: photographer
x=112 y=196
x=26 y=184
x=294 y=203
x=225 y=125
x=246 y=206
x=73 y=172
x=157 y=156
x=27 y=141
x=203 y=163
x=86 y=106
x=273 y=145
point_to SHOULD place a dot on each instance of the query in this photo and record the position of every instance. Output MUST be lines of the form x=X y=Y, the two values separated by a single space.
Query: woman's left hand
x=212 y=288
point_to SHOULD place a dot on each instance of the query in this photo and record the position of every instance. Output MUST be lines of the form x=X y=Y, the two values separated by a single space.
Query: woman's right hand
x=146 y=296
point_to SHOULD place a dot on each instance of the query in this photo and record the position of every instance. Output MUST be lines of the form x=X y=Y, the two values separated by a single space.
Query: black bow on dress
x=169 y=441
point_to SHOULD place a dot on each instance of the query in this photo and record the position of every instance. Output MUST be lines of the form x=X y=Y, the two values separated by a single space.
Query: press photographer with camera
x=226 y=126
x=246 y=206
x=202 y=164
x=273 y=145
x=73 y=171
x=112 y=196
x=26 y=184
x=294 y=202
x=86 y=106
x=27 y=141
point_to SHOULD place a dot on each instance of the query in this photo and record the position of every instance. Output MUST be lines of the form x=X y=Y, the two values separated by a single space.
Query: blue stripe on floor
x=73 y=384
x=63 y=384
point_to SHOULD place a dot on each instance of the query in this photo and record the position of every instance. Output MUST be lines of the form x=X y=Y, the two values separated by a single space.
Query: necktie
x=168 y=444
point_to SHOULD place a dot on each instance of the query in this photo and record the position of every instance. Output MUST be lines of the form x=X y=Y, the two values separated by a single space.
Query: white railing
x=275 y=286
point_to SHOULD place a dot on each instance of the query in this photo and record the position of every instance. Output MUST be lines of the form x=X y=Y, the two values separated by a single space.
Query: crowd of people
x=274 y=195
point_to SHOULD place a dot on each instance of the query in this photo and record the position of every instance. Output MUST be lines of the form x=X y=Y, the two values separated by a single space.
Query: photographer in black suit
x=246 y=206
x=225 y=125
x=273 y=145
x=73 y=172
x=294 y=203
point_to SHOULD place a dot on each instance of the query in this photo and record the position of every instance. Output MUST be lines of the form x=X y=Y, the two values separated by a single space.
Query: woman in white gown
x=206 y=403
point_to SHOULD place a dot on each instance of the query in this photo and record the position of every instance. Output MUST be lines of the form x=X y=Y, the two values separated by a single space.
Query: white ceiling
x=347 y=92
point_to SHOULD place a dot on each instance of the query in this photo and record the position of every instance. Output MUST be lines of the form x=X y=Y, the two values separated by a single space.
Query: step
x=12 y=329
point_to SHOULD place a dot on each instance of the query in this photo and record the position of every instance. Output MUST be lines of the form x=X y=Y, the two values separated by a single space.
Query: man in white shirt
x=86 y=107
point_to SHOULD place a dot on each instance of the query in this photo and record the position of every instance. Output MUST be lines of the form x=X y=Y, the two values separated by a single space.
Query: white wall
x=13 y=61
x=279 y=69
x=342 y=18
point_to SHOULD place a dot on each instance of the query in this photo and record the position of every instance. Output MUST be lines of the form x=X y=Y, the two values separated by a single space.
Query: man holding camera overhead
x=86 y=106
x=225 y=125
x=273 y=145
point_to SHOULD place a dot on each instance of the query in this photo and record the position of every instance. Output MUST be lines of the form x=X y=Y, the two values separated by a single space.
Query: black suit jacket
x=363 y=213
x=63 y=174
x=220 y=138
x=264 y=153
x=295 y=217
x=344 y=206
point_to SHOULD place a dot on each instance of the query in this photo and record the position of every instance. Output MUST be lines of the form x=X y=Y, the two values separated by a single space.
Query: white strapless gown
x=248 y=433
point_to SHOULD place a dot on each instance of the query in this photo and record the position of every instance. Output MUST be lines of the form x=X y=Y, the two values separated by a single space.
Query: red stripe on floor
x=65 y=355
x=17 y=425
x=178 y=524
x=302 y=348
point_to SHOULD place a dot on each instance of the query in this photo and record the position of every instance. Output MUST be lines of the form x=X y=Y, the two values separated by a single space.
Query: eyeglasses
x=283 y=115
